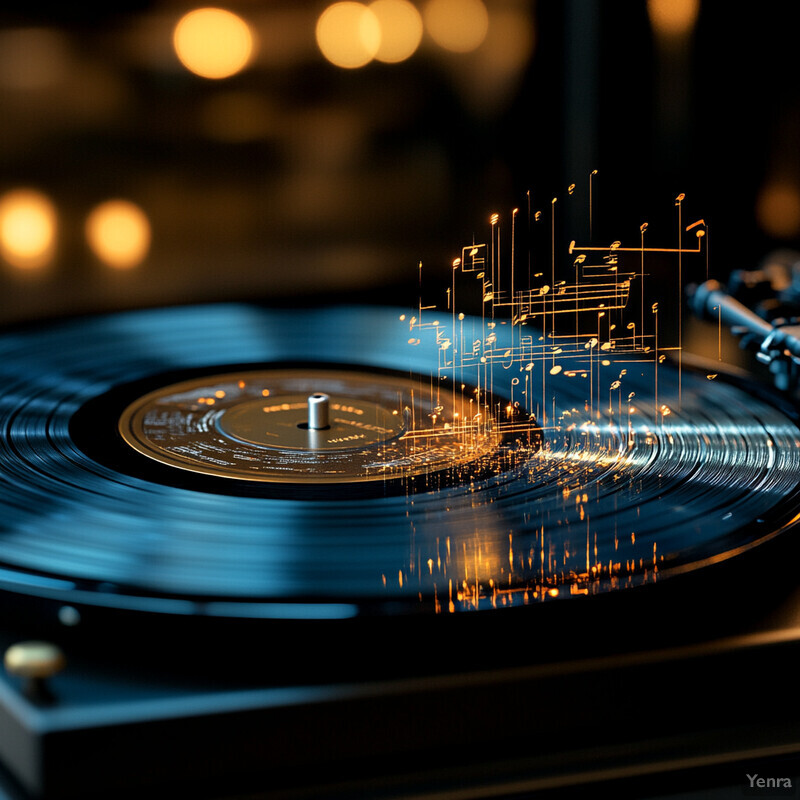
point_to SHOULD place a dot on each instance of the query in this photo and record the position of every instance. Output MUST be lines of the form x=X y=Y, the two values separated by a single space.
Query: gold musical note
x=597 y=298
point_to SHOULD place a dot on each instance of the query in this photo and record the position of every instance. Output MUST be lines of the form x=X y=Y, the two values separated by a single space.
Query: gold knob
x=34 y=662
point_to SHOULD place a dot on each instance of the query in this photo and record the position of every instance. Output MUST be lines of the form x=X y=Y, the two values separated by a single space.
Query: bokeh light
x=673 y=18
x=33 y=58
x=491 y=77
x=457 y=25
x=778 y=209
x=28 y=224
x=213 y=43
x=118 y=232
x=348 y=34
x=401 y=29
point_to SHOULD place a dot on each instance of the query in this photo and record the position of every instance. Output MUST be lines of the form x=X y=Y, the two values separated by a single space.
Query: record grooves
x=588 y=506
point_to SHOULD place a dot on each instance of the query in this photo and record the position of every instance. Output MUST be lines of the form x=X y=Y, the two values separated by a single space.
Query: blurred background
x=157 y=153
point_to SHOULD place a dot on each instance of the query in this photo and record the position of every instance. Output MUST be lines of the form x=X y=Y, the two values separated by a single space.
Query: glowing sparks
x=604 y=433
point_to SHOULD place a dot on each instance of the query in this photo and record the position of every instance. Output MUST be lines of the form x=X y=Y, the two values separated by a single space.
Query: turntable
x=557 y=593
x=339 y=551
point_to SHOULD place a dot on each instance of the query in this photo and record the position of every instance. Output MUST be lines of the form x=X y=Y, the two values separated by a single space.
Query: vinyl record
x=114 y=497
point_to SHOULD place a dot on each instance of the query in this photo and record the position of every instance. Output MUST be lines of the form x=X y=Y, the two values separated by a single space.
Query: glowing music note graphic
x=593 y=288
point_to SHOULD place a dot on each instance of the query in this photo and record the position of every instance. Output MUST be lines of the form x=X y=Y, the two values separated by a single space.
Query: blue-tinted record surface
x=597 y=498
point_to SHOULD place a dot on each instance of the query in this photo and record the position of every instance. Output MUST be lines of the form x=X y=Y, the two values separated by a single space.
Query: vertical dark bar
x=581 y=69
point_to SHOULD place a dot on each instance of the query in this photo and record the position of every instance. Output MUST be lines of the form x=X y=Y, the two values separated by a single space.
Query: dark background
x=296 y=179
